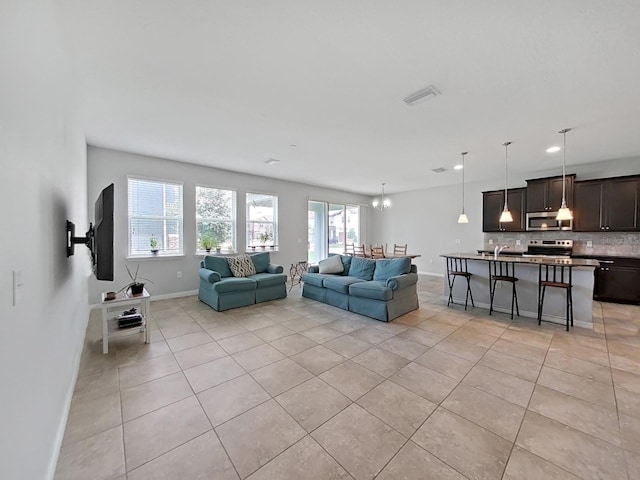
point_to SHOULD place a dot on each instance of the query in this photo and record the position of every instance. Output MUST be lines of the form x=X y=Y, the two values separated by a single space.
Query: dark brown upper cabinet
x=609 y=204
x=492 y=205
x=545 y=194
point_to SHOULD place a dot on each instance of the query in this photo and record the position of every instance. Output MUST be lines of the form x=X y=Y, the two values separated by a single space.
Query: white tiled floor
x=294 y=389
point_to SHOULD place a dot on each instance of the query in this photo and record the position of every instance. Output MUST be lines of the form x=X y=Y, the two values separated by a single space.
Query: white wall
x=427 y=219
x=106 y=166
x=42 y=183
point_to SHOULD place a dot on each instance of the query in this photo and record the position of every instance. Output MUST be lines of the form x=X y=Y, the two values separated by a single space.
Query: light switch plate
x=589 y=244
x=491 y=241
x=518 y=242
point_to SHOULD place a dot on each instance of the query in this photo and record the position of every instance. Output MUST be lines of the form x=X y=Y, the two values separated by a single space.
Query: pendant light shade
x=506 y=216
x=463 y=216
x=383 y=203
x=564 y=213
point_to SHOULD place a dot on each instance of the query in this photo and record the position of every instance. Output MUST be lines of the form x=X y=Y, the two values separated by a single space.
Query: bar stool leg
x=515 y=294
x=571 y=304
x=452 y=281
x=513 y=297
x=470 y=293
x=540 y=305
x=492 y=292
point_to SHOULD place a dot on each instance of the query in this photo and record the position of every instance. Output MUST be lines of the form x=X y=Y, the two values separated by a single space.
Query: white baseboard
x=431 y=274
x=62 y=426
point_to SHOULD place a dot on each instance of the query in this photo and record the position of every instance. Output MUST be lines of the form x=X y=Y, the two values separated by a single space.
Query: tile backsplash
x=611 y=243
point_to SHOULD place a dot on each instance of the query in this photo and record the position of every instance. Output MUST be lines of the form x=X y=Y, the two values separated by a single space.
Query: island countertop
x=574 y=262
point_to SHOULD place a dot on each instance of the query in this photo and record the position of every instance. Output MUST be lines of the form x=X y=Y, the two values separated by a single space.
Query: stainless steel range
x=549 y=248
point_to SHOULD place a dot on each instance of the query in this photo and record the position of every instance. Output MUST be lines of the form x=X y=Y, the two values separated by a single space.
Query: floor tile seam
x=192 y=346
x=508 y=373
x=158 y=408
x=546 y=460
x=433 y=453
x=127 y=472
x=351 y=402
x=306 y=434
x=239 y=414
x=455 y=354
x=284 y=391
x=584 y=399
x=583 y=377
x=515 y=442
x=152 y=379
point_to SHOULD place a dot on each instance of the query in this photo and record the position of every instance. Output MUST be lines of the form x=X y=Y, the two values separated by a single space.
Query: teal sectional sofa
x=221 y=290
x=383 y=289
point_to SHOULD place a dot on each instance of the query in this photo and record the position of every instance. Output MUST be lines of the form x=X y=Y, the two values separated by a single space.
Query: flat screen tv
x=99 y=237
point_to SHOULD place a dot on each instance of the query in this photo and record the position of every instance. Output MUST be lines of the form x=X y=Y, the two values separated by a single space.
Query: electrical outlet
x=457 y=241
x=179 y=274
x=491 y=241
x=589 y=244
x=518 y=242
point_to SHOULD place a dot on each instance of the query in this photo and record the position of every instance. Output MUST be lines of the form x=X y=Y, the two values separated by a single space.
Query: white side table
x=110 y=326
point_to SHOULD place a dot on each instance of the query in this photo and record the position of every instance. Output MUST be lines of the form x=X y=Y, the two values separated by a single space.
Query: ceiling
x=319 y=85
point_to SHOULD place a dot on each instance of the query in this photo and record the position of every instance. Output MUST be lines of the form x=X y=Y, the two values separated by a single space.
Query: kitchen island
x=526 y=270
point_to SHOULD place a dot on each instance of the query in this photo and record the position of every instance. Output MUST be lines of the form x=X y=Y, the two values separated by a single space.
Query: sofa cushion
x=268 y=279
x=234 y=285
x=338 y=283
x=241 y=266
x=218 y=264
x=391 y=268
x=316 y=279
x=374 y=289
x=261 y=261
x=332 y=264
x=362 y=268
x=346 y=262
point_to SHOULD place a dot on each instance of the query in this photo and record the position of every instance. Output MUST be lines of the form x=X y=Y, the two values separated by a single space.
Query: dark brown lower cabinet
x=618 y=280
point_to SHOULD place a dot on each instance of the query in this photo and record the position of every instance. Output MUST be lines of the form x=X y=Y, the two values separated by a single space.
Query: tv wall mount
x=72 y=240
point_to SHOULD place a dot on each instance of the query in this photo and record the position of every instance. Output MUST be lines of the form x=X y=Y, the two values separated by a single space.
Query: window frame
x=326 y=231
x=233 y=220
x=161 y=253
x=249 y=222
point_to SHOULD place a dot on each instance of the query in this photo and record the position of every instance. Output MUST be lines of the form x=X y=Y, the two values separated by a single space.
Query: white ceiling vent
x=439 y=170
x=422 y=95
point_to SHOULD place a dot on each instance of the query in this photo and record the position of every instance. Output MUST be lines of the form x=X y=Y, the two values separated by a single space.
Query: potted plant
x=153 y=243
x=264 y=238
x=207 y=242
x=136 y=286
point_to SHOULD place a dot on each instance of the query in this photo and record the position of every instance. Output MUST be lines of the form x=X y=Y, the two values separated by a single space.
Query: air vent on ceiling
x=439 y=170
x=422 y=95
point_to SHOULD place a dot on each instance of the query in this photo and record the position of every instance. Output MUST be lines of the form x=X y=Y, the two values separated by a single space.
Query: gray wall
x=43 y=182
x=106 y=166
x=427 y=219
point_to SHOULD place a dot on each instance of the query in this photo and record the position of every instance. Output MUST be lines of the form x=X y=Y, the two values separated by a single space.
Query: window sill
x=153 y=257
x=267 y=248
x=222 y=253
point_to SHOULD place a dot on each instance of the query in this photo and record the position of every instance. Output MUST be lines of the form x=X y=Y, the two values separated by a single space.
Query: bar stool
x=556 y=276
x=500 y=270
x=457 y=267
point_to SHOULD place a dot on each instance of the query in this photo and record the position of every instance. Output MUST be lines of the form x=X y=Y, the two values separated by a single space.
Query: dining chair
x=349 y=249
x=399 y=249
x=376 y=252
x=358 y=251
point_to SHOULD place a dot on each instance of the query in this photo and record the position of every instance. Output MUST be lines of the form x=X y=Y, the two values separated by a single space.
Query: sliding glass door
x=331 y=226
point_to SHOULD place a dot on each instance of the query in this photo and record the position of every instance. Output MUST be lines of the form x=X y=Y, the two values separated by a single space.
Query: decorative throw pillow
x=241 y=266
x=333 y=264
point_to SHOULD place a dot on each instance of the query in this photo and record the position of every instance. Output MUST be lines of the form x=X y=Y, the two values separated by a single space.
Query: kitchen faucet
x=498 y=250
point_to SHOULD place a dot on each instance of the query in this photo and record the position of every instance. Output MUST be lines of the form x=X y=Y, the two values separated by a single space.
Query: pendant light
x=564 y=213
x=384 y=203
x=463 y=216
x=505 y=216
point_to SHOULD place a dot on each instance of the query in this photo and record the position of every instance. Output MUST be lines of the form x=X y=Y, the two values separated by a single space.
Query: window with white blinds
x=155 y=217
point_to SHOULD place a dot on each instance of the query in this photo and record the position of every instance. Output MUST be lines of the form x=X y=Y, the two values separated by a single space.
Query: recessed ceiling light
x=271 y=161
x=458 y=167
x=554 y=149
x=293 y=145
x=439 y=170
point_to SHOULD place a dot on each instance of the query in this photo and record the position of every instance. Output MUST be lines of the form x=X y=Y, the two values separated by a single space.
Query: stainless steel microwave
x=546 y=221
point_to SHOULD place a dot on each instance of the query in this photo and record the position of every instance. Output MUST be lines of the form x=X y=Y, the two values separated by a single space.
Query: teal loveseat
x=383 y=289
x=221 y=290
